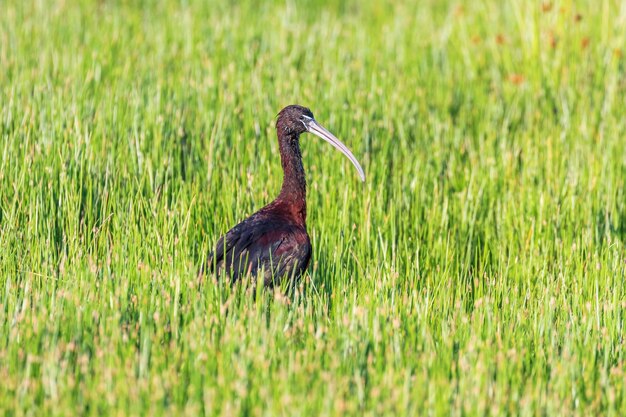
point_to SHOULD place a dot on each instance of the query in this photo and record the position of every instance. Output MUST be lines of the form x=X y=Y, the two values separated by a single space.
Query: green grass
x=480 y=270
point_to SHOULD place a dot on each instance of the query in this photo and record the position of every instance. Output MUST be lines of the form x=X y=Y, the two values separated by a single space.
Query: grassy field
x=480 y=269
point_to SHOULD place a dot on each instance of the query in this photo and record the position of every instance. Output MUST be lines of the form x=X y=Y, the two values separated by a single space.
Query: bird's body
x=274 y=241
x=270 y=242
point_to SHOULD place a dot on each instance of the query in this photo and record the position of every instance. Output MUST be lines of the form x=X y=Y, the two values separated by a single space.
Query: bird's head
x=294 y=120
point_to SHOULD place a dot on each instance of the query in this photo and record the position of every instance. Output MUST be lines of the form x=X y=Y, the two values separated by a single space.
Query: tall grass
x=480 y=270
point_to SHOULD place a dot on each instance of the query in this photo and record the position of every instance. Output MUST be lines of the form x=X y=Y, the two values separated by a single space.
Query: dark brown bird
x=273 y=243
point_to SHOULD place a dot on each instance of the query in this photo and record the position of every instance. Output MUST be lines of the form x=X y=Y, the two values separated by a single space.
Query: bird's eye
x=304 y=119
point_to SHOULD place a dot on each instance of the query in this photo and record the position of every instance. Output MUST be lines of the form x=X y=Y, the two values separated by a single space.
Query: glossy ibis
x=273 y=241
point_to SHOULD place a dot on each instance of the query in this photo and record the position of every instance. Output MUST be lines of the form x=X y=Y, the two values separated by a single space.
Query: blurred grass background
x=479 y=270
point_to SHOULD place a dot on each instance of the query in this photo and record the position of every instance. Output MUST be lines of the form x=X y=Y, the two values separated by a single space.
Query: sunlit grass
x=480 y=270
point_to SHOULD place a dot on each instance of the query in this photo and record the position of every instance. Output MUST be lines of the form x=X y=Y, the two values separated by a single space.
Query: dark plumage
x=274 y=240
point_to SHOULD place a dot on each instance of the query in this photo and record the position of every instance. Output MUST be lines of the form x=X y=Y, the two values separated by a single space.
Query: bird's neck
x=293 y=191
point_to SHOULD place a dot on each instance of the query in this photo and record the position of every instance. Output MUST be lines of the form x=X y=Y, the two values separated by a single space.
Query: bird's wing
x=280 y=253
x=256 y=244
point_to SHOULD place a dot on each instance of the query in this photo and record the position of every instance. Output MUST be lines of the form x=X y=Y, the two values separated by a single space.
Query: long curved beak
x=318 y=130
